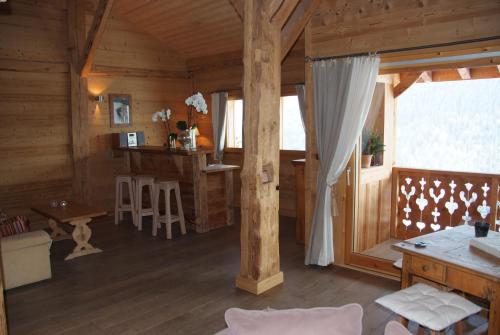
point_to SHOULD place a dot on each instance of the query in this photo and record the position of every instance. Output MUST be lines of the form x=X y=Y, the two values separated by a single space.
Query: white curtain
x=343 y=89
x=219 y=107
x=301 y=93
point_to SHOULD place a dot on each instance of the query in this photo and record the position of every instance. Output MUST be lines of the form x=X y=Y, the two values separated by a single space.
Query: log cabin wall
x=35 y=142
x=155 y=78
x=224 y=72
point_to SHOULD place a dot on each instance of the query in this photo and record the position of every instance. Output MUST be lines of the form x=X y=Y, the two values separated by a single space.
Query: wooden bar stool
x=167 y=187
x=120 y=205
x=140 y=182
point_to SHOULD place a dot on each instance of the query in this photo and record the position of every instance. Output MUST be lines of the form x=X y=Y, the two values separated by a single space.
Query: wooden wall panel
x=346 y=27
x=124 y=47
x=35 y=143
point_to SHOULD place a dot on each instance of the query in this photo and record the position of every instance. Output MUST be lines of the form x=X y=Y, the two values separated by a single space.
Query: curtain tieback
x=334 y=205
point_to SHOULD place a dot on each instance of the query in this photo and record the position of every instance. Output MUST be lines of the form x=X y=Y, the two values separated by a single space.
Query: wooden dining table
x=449 y=260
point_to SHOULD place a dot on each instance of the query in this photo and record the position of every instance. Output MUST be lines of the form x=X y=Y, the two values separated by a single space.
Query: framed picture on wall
x=120 y=110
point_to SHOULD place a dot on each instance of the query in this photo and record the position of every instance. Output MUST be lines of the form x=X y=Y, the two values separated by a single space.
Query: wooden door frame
x=352 y=258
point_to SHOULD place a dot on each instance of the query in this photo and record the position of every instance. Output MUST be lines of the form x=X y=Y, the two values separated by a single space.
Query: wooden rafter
x=426 y=76
x=296 y=23
x=281 y=14
x=94 y=35
x=464 y=73
x=406 y=79
x=238 y=7
x=498 y=68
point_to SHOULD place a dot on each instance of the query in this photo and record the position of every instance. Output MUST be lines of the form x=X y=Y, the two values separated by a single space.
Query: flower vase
x=185 y=139
x=172 y=142
x=192 y=135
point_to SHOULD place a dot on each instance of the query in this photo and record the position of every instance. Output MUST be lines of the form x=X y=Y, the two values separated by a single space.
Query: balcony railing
x=424 y=201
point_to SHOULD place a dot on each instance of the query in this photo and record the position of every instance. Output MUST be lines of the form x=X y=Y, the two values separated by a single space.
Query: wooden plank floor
x=146 y=285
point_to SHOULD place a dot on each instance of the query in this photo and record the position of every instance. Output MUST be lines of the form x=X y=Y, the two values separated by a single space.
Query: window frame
x=286 y=92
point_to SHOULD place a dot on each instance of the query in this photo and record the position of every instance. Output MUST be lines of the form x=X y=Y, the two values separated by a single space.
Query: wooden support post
x=260 y=263
x=312 y=162
x=78 y=105
x=3 y=318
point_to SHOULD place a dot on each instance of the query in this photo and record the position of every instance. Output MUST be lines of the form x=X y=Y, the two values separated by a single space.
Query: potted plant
x=196 y=103
x=372 y=145
x=164 y=116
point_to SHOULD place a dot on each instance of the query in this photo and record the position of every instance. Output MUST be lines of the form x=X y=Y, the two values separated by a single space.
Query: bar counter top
x=157 y=149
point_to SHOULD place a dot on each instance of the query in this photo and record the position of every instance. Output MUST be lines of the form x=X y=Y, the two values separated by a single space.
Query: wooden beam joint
x=296 y=23
x=238 y=7
x=94 y=36
x=464 y=73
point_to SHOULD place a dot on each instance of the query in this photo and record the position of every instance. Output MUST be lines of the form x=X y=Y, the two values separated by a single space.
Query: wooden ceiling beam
x=281 y=14
x=115 y=71
x=296 y=24
x=94 y=35
x=464 y=73
x=238 y=7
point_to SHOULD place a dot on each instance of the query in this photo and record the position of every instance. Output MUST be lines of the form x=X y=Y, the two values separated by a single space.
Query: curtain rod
x=240 y=89
x=429 y=46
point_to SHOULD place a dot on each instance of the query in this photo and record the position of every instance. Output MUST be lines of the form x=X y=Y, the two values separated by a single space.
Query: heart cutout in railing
x=420 y=225
x=407 y=223
x=435 y=226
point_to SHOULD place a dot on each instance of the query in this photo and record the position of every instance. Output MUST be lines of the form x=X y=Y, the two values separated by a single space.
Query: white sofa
x=26 y=258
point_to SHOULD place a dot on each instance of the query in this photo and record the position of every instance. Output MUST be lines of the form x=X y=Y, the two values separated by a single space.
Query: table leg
x=81 y=235
x=494 y=317
x=57 y=233
x=406 y=276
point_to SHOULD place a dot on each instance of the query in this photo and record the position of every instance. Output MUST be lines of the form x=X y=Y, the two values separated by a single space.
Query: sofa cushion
x=14 y=225
x=428 y=306
x=26 y=240
x=345 y=320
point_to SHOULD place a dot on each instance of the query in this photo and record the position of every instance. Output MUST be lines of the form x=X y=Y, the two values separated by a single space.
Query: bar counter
x=206 y=190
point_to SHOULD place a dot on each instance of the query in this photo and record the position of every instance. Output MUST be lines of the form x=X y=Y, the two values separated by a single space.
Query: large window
x=292 y=135
x=453 y=126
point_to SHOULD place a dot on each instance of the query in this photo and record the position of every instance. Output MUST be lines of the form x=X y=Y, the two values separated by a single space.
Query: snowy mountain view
x=453 y=126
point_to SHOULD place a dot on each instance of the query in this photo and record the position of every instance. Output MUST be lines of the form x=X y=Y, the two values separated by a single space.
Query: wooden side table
x=76 y=215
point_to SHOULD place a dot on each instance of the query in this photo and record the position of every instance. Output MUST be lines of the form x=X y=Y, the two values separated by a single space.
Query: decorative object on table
x=481 y=228
x=54 y=203
x=195 y=102
x=194 y=131
x=184 y=136
x=372 y=145
x=172 y=140
x=63 y=204
x=120 y=110
x=164 y=116
x=489 y=245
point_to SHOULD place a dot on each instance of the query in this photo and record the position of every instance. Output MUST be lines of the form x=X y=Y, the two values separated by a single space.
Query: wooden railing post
x=394 y=201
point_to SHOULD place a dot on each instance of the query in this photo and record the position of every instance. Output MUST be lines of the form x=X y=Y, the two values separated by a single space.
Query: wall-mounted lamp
x=99 y=98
